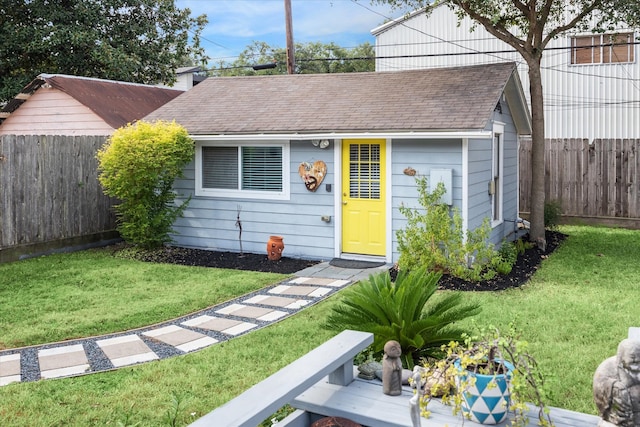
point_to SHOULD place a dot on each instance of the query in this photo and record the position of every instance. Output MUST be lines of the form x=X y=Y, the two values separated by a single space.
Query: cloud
x=235 y=24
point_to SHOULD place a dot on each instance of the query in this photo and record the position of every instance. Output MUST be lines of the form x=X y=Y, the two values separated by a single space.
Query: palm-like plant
x=403 y=311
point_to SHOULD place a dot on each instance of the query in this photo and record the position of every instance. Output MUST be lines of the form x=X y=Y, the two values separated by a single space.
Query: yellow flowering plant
x=138 y=165
x=496 y=360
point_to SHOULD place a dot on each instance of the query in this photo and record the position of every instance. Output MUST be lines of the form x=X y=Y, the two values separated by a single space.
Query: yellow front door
x=363 y=196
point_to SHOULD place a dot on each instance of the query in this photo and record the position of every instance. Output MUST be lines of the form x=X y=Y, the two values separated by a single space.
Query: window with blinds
x=602 y=49
x=219 y=167
x=364 y=171
x=242 y=170
x=261 y=168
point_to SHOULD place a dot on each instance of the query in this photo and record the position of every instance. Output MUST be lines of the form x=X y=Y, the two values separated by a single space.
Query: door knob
x=344 y=202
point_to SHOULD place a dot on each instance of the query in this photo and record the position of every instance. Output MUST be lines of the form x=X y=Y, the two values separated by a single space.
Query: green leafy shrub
x=434 y=238
x=552 y=214
x=522 y=245
x=506 y=257
x=405 y=311
x=138 y=166
x=486 y=353
x=508 y=252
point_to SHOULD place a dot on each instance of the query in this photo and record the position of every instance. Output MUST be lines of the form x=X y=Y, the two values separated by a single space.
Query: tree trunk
x=536 y=233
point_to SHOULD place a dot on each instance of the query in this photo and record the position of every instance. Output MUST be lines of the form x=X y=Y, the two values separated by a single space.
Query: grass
x=65 y=296
x=574 y=312
x=576 y=309
x=143 y=394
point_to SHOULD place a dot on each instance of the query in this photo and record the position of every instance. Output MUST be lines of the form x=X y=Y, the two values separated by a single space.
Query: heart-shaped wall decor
x=312 y=174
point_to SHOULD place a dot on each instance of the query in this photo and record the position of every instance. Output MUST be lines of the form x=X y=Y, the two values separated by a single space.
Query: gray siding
x=480 y=174
x=510 y=200
x=209 y=223
x=479 y=170
x=421 y=155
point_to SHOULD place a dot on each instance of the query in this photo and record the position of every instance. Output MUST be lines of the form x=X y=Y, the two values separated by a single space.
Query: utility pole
x=291 y=55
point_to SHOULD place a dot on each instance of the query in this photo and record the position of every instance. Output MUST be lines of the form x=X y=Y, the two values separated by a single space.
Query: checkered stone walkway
x=179 y=336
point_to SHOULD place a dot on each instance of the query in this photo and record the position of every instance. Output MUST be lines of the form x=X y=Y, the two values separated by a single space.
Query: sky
x=235 y=24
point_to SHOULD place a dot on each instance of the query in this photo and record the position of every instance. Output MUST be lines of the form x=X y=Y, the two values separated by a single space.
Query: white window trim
x=285 y=194
x=498 y=129
x=632 y=46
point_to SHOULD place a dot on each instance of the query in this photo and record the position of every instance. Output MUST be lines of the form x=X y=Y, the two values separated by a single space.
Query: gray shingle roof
x=446 y=99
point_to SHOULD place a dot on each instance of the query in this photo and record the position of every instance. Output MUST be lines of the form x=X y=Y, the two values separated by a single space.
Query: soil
x=522 y=270
x=524 y=267
x=230 y=260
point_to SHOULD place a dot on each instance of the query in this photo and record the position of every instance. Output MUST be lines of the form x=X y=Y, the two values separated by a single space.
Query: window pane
x=364 y=171
x=220 y=167
x=375 y=153
x=353 y=153
x=585 y=50
x=262 y=168
x=621 y=49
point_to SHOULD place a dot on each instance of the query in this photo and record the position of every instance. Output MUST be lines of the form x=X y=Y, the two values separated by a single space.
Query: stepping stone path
x=172 y=338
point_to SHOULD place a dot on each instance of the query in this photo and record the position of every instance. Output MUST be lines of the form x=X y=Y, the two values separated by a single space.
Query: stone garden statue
x=616 y=387
x=416 y=382
x=392 y=369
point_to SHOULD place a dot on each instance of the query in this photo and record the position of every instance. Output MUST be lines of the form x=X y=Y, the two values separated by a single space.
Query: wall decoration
x=409 y=171
x=312 y=174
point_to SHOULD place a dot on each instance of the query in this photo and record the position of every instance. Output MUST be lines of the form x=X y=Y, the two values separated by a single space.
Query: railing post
x=343 y=375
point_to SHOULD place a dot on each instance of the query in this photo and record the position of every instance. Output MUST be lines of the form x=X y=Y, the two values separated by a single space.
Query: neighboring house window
x=496 y=184
x=243 y=169
x=602 y=48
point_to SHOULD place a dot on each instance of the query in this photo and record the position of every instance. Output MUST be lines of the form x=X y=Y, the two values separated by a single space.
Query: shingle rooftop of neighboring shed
x=117 y=103
x=451 y=99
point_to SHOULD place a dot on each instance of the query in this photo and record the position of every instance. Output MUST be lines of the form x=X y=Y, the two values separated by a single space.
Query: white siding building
x=590 y=92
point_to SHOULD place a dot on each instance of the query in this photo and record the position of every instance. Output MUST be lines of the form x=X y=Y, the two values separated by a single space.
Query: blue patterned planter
x=487 y=402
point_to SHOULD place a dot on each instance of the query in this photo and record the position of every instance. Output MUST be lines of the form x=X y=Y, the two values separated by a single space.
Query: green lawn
x=574 y=313
x=65 y=296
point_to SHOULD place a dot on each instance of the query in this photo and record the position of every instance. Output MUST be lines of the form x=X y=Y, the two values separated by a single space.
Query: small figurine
x=416 y=382
x=392 y=369
x=616 y=387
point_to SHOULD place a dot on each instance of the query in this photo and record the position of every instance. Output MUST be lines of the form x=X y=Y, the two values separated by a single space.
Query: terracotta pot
x=335 y=422
x=275 y=246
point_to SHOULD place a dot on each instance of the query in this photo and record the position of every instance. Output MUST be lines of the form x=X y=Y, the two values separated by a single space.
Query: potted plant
x=485 y=377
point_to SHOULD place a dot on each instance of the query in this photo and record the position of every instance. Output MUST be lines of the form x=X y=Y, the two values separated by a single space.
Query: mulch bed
x=524 y=267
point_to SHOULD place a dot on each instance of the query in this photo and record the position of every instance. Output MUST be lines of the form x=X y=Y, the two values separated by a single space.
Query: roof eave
x=398 y=21
x=295 y=136
x=518 y=104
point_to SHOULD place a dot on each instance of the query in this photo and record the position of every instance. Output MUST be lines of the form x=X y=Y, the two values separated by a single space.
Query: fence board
x=598 y=179
x=50 y=189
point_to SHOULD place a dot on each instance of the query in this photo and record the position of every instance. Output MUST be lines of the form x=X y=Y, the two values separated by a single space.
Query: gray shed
x=325 y=160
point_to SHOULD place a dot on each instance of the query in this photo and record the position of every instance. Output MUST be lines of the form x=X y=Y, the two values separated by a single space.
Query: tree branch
x=497 y=29
x=571 y=24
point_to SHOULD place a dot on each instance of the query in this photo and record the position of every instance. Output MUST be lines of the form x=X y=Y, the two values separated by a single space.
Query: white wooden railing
x=322 y=383
x=333 y=358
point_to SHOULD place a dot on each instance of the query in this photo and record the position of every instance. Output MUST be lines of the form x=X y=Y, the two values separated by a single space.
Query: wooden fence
x=49 y=191
x=598 y=179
